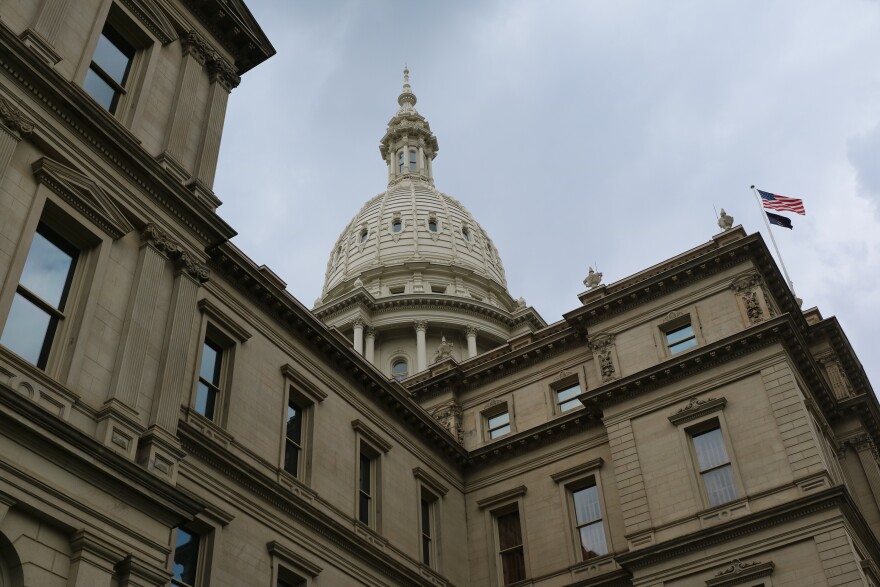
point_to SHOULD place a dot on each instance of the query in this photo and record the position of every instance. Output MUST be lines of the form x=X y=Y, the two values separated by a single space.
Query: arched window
x=432 y=224
x=412 y=160
x=400 y=162
x=466 y=234
x=396 y=226
x=364 y=235
x=399 y=369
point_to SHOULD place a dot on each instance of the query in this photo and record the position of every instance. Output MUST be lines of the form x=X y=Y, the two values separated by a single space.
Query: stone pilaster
x=867 y=453
x=421 y=327
x=358 y=326
x=135 y=573
x=370 y=353
x=195 y=53
x=92 y=562
x=159 y=448
x=43 y=33
x=13 y=124
x=223 y=80
x=471 y=334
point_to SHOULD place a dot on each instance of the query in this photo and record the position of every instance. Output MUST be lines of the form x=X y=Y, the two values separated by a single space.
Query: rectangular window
x=427 y=507
x=110 y=67
x=566 y=398
x=290 y=581
x=186 y=558
x=210 y=373
x=498 y=425
x=510 y=547
x=412 y=160
x=680 y=339
x=588 y=518
x=716 y=471
x=293 y=438
x=366 y=488
x=40 y=299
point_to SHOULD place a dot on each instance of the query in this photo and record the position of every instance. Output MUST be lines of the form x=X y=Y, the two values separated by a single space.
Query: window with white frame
x=497 y=422
x=566 y=396
x=588 y=521
x=680 y=338
x=713 y=462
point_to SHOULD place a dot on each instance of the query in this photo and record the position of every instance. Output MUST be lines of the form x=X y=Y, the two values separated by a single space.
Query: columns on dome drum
x=471 y=333
x=358 y=335
x=421 y=347
x=371 y=344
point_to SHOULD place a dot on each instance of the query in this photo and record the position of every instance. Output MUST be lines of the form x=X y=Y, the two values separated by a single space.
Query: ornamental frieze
x=602 y=346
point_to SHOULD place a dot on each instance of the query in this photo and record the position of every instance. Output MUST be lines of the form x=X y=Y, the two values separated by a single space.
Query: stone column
x=43 y=33
x=223 y=80
x=118 y=422
x=13 y=124
x=371 y=344
x=195 y=53
x=471 y=333
x=159 y=449
x=358 y=336
x=420 y=162
x=421 y=327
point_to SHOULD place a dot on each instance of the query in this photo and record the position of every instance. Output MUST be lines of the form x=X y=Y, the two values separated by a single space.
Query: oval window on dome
x=399 y=369
x=364 y=235
x=396 y=226
x=466 y=234
x=432 y=225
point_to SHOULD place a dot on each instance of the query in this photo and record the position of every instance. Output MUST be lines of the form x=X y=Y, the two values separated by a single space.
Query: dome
x=414 y=224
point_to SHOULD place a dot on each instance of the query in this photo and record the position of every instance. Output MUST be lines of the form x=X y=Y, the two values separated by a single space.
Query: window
x=438 y=289
x=498 y=425
x=510 y=547
x=716 y=470
x=397 y=290
x=466 y=234
x=293 y=441
x=185 y=571
x=396 y=225
x=588 y=521
x=566 y=398
x=364 y=235
x=432 y=224
x=367 y=487
x=210 y=374
x=412 y=160
x=680 y=339
x=399 y=369
x=40 y=299
x=427 y=505
x=400 y=165
x=109 y=69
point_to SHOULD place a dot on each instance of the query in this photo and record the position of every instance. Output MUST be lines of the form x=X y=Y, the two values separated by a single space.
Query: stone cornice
x=231 y=23
x=788 y=512
x=70 y=106
x=58 y=441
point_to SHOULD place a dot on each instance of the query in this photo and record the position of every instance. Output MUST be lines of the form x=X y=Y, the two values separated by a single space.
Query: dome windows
x=399 y=369
x=364 y=234
x=400 y=162
x=433 y=224
x=396 y=223
x=413 y=165
x=466 y=234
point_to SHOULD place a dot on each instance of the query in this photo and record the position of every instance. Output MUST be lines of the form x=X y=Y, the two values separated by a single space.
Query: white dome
x=413 y=223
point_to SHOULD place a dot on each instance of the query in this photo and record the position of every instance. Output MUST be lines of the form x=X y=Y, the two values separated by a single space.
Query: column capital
x=420 y=325
x=195 y=46
x=358 y=322
x=14 y=119
x=371 y=332
x=470 y=331
x=222 y=72
x=186 y=263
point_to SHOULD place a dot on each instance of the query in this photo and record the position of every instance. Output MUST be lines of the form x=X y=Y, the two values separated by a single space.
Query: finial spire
x=407 y=99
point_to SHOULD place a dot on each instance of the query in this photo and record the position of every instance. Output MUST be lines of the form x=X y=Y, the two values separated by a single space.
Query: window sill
x=724 y=512
x=207 y=427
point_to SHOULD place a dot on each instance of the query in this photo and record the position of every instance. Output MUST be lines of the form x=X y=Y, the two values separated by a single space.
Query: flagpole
x=772 y=238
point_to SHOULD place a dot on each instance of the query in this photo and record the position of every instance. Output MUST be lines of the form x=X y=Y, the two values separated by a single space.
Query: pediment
x=84 y=195
x=152 y=17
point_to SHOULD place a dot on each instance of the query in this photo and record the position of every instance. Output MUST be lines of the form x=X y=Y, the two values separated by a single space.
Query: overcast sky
x=576 y=132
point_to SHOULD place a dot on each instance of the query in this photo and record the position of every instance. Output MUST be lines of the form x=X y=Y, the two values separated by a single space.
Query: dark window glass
x=186 y=558
x=566 y=398
x=715 y=468
x=510 y=548
x=498 y=425
x=396 y=226
x=432 y=225
x=38 y=305
x=412 y=161
x=293 y=440
x=109 y=69
x=364 y=235
x=400 y=369
x=588 y=517
x=209 y=379
x=466 y=234
x=681 y=339
x=365 y=488
x=400 y=164
x=426 y=532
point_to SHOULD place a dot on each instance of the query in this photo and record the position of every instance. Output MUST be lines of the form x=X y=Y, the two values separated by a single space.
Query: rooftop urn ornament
x=725 y=221
x=593 y=279
x=521 y=302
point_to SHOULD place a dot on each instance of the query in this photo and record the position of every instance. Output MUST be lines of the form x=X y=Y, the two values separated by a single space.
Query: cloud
x=864 y=154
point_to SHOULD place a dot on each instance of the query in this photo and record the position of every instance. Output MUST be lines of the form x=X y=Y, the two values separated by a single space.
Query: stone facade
x=175 y=416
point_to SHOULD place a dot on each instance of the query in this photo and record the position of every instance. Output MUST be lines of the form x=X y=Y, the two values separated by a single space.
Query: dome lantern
x=409 y=146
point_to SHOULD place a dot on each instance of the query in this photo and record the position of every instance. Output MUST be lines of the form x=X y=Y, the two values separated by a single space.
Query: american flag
x=782 y=203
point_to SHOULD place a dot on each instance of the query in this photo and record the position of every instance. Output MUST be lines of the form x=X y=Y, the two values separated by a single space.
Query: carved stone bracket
x=450 y=415
x=752 y=297
x=602 y=346
x=183 y=260
x=14 y=119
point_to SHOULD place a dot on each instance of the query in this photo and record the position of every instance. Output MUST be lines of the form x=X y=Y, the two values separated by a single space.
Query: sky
x=578 y=133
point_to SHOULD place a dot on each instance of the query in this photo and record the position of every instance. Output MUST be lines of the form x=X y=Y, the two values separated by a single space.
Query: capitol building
x=171 y=415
